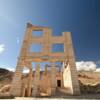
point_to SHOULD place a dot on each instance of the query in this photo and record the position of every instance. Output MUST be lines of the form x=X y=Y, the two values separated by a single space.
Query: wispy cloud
x=2 y=48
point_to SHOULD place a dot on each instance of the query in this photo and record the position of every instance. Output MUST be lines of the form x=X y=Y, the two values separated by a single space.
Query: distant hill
x=5 y=77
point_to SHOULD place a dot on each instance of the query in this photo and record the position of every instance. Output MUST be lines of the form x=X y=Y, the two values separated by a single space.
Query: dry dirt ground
x=81 y=97
x=66 y=98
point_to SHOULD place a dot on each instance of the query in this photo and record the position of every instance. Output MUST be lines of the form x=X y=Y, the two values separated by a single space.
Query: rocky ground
x=89 y=81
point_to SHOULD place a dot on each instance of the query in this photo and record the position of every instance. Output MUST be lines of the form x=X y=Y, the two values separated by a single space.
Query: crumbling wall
x=67 y=78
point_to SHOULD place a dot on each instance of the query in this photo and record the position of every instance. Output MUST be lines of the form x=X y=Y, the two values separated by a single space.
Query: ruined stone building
x=49 y=81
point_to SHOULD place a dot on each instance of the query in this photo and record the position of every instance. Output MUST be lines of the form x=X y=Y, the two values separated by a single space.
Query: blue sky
x=81 y=17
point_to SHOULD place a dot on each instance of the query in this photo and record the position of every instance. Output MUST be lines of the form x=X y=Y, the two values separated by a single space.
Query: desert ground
x=82 y=97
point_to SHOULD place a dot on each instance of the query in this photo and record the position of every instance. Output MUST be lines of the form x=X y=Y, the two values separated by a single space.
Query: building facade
x=49 y=81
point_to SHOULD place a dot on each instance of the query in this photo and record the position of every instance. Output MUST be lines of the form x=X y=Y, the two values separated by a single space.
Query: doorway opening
x=58 y=83
x=26 y=93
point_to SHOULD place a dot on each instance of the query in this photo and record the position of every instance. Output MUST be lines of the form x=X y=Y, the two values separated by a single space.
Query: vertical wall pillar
x=23 y=90
x=75 y=89
x=53 y=78
x=62 y=83
x=46 y=70
x=30 y=80
x=36 y=81
x=16 y=83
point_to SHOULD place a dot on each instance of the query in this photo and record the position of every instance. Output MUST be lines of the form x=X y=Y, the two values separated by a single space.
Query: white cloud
x=11 y=69
x=98 y=70
x=86 y=65
x=2 y=48
x=26 y=70
x=8 y=68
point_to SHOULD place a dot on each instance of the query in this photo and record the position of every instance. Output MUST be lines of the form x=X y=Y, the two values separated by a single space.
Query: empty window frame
x=56 y=34
x=36 y=48
x=37 y=33
x=58 y=47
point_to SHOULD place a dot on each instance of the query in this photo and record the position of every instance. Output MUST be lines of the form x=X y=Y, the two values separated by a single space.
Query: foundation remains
x=51 y=80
